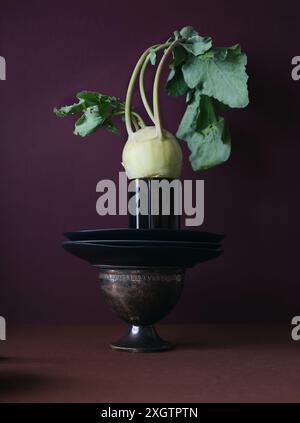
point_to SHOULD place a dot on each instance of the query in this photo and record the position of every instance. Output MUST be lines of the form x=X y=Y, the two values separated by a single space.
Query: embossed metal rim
x=137 y=268
x=142 y=274
x=142 y=277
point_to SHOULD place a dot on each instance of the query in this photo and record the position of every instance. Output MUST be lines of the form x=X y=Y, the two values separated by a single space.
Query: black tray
x=101 y=254
x=187 y=235
x=152 y=243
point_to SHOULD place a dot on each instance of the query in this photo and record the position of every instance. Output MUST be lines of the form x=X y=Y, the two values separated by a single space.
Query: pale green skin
x=147 y=155
x=151 y=151
x=211 y=78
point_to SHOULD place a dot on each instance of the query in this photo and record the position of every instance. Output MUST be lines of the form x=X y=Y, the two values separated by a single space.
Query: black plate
x=99 y=254
x=188 y=235
x=153 y=243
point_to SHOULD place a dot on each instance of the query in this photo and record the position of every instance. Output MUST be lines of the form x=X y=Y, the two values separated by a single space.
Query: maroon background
x=48 y=176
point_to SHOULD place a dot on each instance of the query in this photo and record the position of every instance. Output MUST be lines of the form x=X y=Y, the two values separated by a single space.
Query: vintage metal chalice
x=141 y=297
x=142 y=274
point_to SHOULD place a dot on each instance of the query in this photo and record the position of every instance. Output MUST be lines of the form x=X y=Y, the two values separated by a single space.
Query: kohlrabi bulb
x=145 y=155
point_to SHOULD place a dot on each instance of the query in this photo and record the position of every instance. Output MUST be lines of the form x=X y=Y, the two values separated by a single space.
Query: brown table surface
x=212 y=363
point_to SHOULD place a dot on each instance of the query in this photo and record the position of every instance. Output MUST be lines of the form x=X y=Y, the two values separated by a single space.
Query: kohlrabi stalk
x=130 y=89
x=150 y=152
x=140 y=68
x=142 y=89
x=139 y=119
x=141 y=82
x=136 y=119
x=135 y=124
x=156 y=109
x=133 y=78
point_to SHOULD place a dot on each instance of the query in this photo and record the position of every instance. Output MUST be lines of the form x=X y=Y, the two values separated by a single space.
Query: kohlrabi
x=211 y=78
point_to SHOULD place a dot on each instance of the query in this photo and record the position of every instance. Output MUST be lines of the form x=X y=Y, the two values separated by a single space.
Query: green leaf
x=189 y=121
x=176 y=84
x=98 y=111
x=189 y=96
x=69 y=110
x=197 y=45
x=207 y=115
x=111 y=127
x=192 y=41
x=179 y=56
x=105 y=107
x=89 y=122
x=187 y=32
x=176 y=35
x=152 y=56
x=220 y=73
x=90 y=98
x=210 y=147
x=206 y=133
x=199 y=115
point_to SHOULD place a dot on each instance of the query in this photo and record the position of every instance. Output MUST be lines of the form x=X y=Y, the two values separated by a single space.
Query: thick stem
x=135 y=118
x=130 y=89
x=141 y=81
x=142 y=89
x=131 y=85
x=139 y=118
x=135 y=124
x=156 y=109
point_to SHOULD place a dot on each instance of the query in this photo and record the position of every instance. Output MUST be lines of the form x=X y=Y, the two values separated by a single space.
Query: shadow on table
x=4 y=359
x=14 y=381
x=29 y=360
